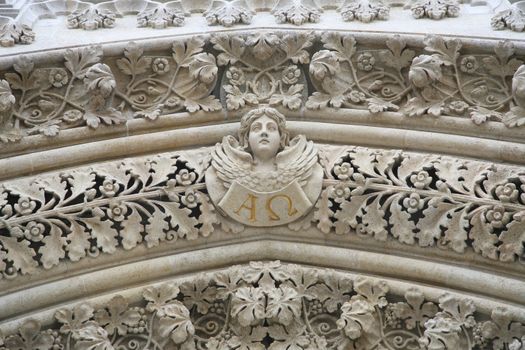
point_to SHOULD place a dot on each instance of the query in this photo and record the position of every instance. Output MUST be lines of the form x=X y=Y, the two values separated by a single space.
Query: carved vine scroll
x=268 y=305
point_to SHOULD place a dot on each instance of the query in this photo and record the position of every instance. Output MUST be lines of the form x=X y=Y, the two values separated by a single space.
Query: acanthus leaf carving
x=435 y=9
x=296 y=11
x=160 y=16
x=12 y=33
x=91 y=18
x=364 y=10
x=227 y=13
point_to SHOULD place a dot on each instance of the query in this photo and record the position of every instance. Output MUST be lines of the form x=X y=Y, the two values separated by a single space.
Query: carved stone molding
x=416 y=199
x=94 y=15
x=265 y=67
x=269 y=305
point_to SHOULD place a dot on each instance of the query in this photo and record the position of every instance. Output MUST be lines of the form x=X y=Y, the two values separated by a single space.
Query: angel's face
x=264 y=138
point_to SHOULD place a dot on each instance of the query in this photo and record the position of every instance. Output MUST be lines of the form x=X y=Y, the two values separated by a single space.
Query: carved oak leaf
x=415 y=311
x=284 y=305
x=117 y=316
x=402 y=227
x=180 y=219
x=20 y=254
x=134 y=63
x=131 y=230
x=78 y=242
x=93 y=337
x=502 y=329
x=348 y=213
x=176 y=323
x=513 y=239
x=373 y=222
x=483 y=240
x=156 y=228
x=208 y=218
x=248 y=306
x=434 y=216
x=323 y=212
x=456 y=233
x=198 y=293
x=30 y=337
x=103 y=232
x=78 y=61
x=53 y=249
x=73 y=320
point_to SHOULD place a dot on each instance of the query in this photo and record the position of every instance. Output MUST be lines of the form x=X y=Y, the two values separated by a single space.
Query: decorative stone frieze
x=261 y=180
x=296 y=11
x=270 y=68
x=268 y=305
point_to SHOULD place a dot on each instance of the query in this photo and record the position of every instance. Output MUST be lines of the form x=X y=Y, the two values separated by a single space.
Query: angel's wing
x=229 y=162
x=297 y=162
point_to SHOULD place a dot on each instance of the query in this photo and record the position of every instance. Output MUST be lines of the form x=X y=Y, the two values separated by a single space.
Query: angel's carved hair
x=254 y=114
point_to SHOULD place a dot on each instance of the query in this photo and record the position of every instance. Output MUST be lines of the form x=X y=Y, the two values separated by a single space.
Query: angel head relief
x=263 y=178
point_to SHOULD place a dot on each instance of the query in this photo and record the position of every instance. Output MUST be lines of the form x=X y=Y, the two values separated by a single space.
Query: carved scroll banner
x=265 y=208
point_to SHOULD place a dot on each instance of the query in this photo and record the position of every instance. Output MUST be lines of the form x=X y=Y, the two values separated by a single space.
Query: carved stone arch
x=383 y=208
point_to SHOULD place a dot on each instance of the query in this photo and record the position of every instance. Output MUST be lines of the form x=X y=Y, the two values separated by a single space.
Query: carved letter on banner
x=263 y=178
x=265 y=209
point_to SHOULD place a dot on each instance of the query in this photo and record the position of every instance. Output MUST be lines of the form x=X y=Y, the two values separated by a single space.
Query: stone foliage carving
x=435 y=9
x=296 y=11
x=91 y=18
x=513 y=19
x=266 y=305
x=269 y=68
x=227 y=13
x=263 y=68
x=425 y=200
x=49 y=99
x=415 y=199
x=12 y=33
x=364 y=10
x=160 y=16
